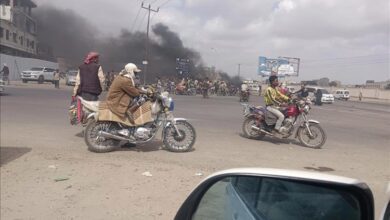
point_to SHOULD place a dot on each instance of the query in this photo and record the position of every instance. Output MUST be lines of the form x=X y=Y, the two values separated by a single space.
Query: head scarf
x=91 y=57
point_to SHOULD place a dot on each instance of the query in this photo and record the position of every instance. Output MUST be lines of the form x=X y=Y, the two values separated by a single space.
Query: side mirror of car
x=274 y=194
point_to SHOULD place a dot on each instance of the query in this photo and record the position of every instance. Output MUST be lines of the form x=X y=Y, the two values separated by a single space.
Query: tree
x=333 y=84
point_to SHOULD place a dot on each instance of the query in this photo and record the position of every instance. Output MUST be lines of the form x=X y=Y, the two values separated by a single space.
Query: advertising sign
x=282 y=66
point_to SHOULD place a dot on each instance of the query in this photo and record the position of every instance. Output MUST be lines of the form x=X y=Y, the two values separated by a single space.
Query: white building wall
x=18 y=64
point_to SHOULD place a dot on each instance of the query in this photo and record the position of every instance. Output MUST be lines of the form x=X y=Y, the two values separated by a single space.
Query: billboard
x=282 y=66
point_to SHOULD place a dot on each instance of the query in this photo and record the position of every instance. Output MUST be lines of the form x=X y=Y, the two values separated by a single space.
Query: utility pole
x=239 y=69
x=146 y=61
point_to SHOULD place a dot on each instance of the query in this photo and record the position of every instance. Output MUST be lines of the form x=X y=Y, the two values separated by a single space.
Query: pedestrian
x=318 y=97
x=5 y=72
x=56 y=79
x=360 y=95
x=90 y=78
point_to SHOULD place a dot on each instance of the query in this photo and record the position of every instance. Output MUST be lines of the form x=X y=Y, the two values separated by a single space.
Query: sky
x=344 y=40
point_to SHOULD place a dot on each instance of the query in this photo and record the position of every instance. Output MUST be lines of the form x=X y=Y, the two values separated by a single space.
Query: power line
x=164 y=3
x=135 y=20
x=142 y=21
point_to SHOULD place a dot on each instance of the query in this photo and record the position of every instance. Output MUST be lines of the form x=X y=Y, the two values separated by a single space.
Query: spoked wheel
x=97 y=143
x=317 y=137
x=179 y=143
x=248 y=131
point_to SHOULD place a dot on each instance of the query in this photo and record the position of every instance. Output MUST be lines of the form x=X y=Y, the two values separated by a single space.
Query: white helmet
x=132 y=68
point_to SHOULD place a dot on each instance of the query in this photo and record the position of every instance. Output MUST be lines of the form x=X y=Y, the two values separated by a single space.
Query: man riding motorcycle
x=273 y=100
x=123 y=91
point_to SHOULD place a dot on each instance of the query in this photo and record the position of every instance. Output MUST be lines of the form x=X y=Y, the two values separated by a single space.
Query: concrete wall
x=18 y=64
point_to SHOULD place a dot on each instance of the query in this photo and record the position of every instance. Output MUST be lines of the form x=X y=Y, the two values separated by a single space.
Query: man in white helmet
x=123 y=90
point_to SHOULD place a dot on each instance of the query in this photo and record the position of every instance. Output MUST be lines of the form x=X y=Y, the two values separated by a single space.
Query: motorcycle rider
x=273 y=99
x=90 y=78
x=123 y=91
x=244 y=89
x=303 y=92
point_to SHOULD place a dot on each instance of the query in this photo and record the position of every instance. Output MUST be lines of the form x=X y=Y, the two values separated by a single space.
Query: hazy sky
x=345 y=40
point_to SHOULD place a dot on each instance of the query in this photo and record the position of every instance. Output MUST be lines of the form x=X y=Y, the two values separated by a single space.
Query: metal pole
x=239 y=70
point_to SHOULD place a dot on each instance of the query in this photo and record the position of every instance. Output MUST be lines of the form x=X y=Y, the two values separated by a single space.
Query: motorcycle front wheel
x=179 y=143
x=248 y=131
x=94 y=141
x=316 y=140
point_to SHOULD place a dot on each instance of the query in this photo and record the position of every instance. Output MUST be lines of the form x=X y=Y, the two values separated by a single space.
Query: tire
x=41 y=79
x=248 y=131
x=174 y=143
x=99 y=144
x=24 y=81
x=317 y=132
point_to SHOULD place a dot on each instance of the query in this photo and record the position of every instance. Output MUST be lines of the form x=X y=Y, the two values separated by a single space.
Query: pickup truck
x=39 y=74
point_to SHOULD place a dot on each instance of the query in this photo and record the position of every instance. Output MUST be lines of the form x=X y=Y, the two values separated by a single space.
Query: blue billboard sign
x=283 y=66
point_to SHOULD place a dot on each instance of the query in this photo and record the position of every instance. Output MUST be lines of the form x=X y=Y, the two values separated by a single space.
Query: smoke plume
x=71 y=36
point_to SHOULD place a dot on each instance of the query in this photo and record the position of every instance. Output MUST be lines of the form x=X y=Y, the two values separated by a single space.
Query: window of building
x=21 y=40
x=1 y=32
x=32 y=44
x=28 y=42
x=14 y=35
x=7 y=34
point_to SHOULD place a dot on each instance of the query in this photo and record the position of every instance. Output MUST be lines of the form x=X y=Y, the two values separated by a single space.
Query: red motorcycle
x=259 y=122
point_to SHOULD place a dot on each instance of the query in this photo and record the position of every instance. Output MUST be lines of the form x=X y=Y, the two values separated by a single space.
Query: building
x=17 y=28
x=371 y=84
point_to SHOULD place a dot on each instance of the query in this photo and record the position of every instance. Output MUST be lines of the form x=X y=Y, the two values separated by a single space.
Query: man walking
x=56 y=79
x=5 y=72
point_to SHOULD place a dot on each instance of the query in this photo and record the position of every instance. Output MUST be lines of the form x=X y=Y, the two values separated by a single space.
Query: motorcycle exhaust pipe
x=261 y=130
x=112 y=136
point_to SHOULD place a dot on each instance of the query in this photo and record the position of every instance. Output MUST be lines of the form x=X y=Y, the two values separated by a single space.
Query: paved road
x=38 y=145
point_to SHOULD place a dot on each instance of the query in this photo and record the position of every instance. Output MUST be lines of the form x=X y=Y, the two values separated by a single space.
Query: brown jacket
x=121 y=94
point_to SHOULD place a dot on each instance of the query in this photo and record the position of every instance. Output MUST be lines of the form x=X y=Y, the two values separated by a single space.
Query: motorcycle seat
x=91 y=105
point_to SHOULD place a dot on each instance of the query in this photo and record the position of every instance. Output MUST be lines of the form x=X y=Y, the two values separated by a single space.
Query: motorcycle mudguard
x=313 y=121
x=169 y=124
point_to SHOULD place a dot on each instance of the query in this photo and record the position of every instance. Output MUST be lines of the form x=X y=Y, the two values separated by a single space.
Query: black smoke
x=71 y=37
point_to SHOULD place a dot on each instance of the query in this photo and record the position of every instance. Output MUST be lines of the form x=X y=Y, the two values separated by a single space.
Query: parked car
x=276 y=194
x=39 y=74
x=327 y=97
x=70 y=78
x=342 y=94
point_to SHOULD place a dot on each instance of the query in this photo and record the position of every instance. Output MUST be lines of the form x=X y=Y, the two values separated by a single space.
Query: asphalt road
x=38 y=145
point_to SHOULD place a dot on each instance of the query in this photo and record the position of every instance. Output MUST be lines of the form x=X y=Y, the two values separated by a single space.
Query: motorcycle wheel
x=174 y=143
x=97 y=143
x=248 y=131
x=317 y=140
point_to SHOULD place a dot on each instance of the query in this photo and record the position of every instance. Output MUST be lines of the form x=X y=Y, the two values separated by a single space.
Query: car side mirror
x=274 y=194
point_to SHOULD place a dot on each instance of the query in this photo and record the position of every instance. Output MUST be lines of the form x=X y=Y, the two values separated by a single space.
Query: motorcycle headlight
x=306 y=109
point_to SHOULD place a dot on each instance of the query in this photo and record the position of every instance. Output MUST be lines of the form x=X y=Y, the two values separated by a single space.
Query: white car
x=326 y=97
x=70 y=79
x=276 y=194
x=39 y=74
x=342 y=94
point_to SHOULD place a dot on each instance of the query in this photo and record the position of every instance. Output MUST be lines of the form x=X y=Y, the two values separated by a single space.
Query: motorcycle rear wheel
x=97 y=143
x=174 y=143
x=248 y=130
x=318 y=134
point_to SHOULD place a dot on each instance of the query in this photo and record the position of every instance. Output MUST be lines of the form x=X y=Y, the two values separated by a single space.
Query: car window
x=346 y=92
x=324 y=91
x=270 y=198
x=36 y=69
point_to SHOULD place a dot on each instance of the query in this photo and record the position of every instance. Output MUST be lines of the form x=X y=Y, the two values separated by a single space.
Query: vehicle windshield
x=72 y=73
x=324 y=91
x=36 y=69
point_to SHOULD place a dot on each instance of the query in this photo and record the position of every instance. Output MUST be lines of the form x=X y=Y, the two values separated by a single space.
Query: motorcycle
x=105 y=130
x=259 y=122
x=244 y=96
